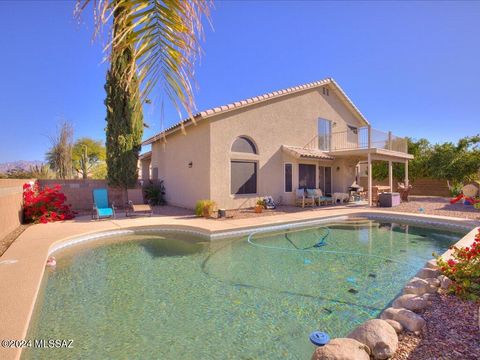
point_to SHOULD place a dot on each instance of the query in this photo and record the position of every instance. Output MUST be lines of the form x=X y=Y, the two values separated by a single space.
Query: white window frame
x=327 y=140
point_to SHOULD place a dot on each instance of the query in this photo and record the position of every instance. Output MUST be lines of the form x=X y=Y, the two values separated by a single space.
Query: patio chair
x=312 y=194
x=136 y=204
x=100 y=205
x=323 y=199
x=301 y=199
x=404 y=191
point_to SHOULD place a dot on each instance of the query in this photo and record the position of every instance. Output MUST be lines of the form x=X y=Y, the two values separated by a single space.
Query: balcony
x=361 y=138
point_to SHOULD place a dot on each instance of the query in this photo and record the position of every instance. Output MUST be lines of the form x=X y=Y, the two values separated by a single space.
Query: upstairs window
x=324 y=134
x=244 y=145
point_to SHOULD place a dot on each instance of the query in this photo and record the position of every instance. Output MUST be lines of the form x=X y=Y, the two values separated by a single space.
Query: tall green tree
x=417 y=168
x=87 y=155
x=124 y=111
x=456 y=162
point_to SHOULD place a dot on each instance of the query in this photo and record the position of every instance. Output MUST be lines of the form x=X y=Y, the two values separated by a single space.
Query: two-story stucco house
x=307 y=136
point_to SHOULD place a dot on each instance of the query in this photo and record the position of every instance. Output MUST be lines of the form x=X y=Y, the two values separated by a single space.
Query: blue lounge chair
x=321 y=198
x=100 y=205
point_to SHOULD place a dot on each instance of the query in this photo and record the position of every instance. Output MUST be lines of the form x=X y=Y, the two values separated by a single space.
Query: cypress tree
x=124 y=129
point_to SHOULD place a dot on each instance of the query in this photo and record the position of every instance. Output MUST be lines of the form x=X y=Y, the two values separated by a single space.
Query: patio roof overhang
x=303 y=153
x=375 y=154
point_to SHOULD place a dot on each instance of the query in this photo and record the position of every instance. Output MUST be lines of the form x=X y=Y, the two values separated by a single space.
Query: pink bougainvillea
x=46 y=205
x=464 y=269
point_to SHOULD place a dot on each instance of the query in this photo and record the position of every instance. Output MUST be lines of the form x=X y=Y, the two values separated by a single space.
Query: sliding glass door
x=325 y=179
x=306 y=176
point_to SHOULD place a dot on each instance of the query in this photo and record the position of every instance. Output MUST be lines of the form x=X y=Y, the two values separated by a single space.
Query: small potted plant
x=259 y=206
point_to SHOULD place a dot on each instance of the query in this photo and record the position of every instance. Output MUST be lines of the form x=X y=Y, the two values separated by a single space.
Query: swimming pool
x=172 y=295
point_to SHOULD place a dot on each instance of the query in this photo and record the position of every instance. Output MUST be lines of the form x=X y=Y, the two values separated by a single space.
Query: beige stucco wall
x=11 y=203
x=289 y=120
x=343 y=174
x=184 y=185
x=144 y=170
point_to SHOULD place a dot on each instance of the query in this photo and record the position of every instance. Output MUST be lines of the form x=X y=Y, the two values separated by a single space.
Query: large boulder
x=427 y=273
x=410 y=302
x=409 y=320
x=342 y=349
x=418 y=286
x=433 y=282
x=395 y=325
x=379 y=336
x=445 y=282
x=429 y=297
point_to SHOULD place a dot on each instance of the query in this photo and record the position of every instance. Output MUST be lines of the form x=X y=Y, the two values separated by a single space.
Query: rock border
x=379 y=337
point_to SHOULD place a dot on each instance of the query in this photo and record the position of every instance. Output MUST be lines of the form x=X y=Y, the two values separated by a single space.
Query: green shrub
x=202 y=205
x=155 y=193
x=463 y=268
x=456 y=189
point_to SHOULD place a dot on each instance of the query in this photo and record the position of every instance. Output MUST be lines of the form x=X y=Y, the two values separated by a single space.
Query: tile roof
x=145 y=155
x=254 y=100
x=300 y=152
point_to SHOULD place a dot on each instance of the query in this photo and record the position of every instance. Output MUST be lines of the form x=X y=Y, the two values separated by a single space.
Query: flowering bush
x=45 y=205
x=463 y=268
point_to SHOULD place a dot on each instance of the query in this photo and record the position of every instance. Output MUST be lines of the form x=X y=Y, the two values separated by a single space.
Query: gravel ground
x=452 y=332
x=437 y=206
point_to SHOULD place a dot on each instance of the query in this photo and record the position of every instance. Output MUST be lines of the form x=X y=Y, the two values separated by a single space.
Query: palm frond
x=166 y=36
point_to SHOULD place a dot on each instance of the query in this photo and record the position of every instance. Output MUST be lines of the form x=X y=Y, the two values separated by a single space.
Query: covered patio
x=335 y=171
x=377 y=154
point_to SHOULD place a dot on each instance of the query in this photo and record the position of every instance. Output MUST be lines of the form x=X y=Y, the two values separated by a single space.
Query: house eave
x=260 y=99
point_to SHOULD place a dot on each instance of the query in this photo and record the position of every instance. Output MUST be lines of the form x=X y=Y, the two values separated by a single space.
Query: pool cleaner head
x=319 y=338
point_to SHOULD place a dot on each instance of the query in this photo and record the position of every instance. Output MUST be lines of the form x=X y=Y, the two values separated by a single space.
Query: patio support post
x=369 y=169
x=406 y=173
x=390 y=175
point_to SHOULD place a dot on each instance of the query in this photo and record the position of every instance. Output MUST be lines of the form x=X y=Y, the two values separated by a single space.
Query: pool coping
x=24 y=262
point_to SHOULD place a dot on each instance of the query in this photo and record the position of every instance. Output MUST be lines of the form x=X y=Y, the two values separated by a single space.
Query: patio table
x=343 y=197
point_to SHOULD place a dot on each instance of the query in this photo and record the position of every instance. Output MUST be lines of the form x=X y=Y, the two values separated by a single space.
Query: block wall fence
x=421 y=187
x=79 y=192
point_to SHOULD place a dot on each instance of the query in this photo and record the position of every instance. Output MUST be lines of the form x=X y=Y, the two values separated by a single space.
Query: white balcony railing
x=361 y=138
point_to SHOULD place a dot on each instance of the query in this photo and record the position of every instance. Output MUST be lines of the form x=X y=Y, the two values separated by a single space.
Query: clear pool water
x=170 y=296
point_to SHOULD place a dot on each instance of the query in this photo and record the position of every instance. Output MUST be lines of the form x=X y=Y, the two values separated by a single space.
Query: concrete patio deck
x=22 y=266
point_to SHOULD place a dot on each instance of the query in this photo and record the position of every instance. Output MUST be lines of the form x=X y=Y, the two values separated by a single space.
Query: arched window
x=244 y=145
x=243 y=171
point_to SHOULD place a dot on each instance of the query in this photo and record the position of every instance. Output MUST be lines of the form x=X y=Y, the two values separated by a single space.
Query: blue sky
x=410 y=67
